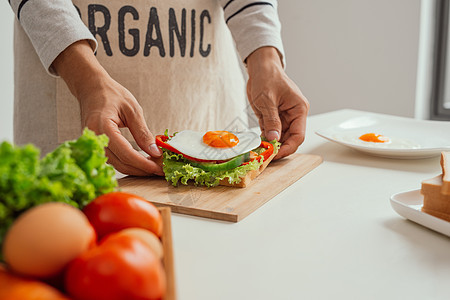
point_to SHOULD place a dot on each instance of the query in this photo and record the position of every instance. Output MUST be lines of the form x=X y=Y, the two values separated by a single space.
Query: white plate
x=409 y=205
x=410 y=138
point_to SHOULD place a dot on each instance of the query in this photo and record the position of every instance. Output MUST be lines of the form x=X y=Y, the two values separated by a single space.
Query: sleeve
x=253 y=24
x=52 y=26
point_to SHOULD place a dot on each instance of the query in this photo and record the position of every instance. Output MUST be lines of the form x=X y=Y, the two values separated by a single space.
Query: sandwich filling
x=179 y=167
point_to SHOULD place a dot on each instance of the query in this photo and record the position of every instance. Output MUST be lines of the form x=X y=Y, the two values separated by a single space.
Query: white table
x=331 y=235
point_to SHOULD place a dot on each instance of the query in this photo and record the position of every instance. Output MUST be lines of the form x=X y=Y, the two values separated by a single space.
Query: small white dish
x=409 y=205
x=409 y=138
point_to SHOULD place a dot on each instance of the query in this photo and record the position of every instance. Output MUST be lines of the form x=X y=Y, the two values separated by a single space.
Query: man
x=159 y=64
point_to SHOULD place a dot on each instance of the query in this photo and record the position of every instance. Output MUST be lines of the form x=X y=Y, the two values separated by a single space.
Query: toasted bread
x=250 y=176
x=436 y=191
x=434 y=202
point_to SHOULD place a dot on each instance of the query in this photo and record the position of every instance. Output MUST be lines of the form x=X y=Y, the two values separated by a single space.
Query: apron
x=176 y=57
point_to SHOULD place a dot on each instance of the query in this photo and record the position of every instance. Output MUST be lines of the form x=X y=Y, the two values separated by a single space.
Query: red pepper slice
x=161 y=142
x=266 y=154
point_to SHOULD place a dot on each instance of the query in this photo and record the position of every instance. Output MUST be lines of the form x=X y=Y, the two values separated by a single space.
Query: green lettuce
x=75 y=173
x=177 y=169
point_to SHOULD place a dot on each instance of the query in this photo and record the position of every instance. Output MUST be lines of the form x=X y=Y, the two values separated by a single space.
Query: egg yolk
x=220 y=139
x=374 y=138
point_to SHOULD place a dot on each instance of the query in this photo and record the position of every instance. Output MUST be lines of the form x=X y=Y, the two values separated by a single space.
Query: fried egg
x=375 y=140
x=214 y=145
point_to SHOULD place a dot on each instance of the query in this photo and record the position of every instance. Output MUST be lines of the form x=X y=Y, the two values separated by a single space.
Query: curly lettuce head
x=75 y=173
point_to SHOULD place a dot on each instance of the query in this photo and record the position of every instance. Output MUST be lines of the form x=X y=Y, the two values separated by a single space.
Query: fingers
x=109 y=106
x=126 y=169
x=290 y=146
x=121 y=167
x=267 y=111
x=294 y=127
x=125 y=157
x=158 y=161
x=141 y=134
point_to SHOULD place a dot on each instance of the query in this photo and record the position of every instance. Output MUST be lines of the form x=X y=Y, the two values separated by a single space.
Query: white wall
x=357 y=54
x=6 y=72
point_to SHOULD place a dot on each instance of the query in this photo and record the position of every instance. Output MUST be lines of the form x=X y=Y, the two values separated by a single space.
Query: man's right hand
x=107 y=106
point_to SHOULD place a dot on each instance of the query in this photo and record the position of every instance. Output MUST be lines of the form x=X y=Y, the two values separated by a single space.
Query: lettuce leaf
x=75 y=173
x=177 y=169
x=88 y=153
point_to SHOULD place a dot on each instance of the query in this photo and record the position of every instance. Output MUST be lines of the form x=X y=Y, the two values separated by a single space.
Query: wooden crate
x=168 y=253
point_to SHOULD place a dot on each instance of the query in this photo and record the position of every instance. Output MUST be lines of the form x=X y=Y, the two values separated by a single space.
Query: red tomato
x=15 y=287
x=121 y=267
x=115 y=211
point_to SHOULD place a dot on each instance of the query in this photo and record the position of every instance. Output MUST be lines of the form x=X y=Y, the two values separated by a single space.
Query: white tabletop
x=331 y=235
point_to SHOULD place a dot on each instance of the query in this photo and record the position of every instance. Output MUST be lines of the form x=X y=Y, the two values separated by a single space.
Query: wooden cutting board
x=221 y=202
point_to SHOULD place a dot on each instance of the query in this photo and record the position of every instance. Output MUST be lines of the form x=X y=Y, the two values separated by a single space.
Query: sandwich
x=215 y=157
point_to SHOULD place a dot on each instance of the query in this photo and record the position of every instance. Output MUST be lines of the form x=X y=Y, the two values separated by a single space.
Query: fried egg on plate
x=214 y=145
x=375 y=140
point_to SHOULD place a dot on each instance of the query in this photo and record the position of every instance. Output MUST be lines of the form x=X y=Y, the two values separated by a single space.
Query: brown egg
x=147 y=237
x=17 y=287
x=45 y=238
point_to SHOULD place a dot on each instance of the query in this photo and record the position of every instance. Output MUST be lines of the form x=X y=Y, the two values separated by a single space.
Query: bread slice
x=434 y=202
x=445 y=164
x=245 y=181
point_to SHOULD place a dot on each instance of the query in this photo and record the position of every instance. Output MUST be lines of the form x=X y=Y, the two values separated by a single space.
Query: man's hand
x=107 y=106
x=276 y=100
